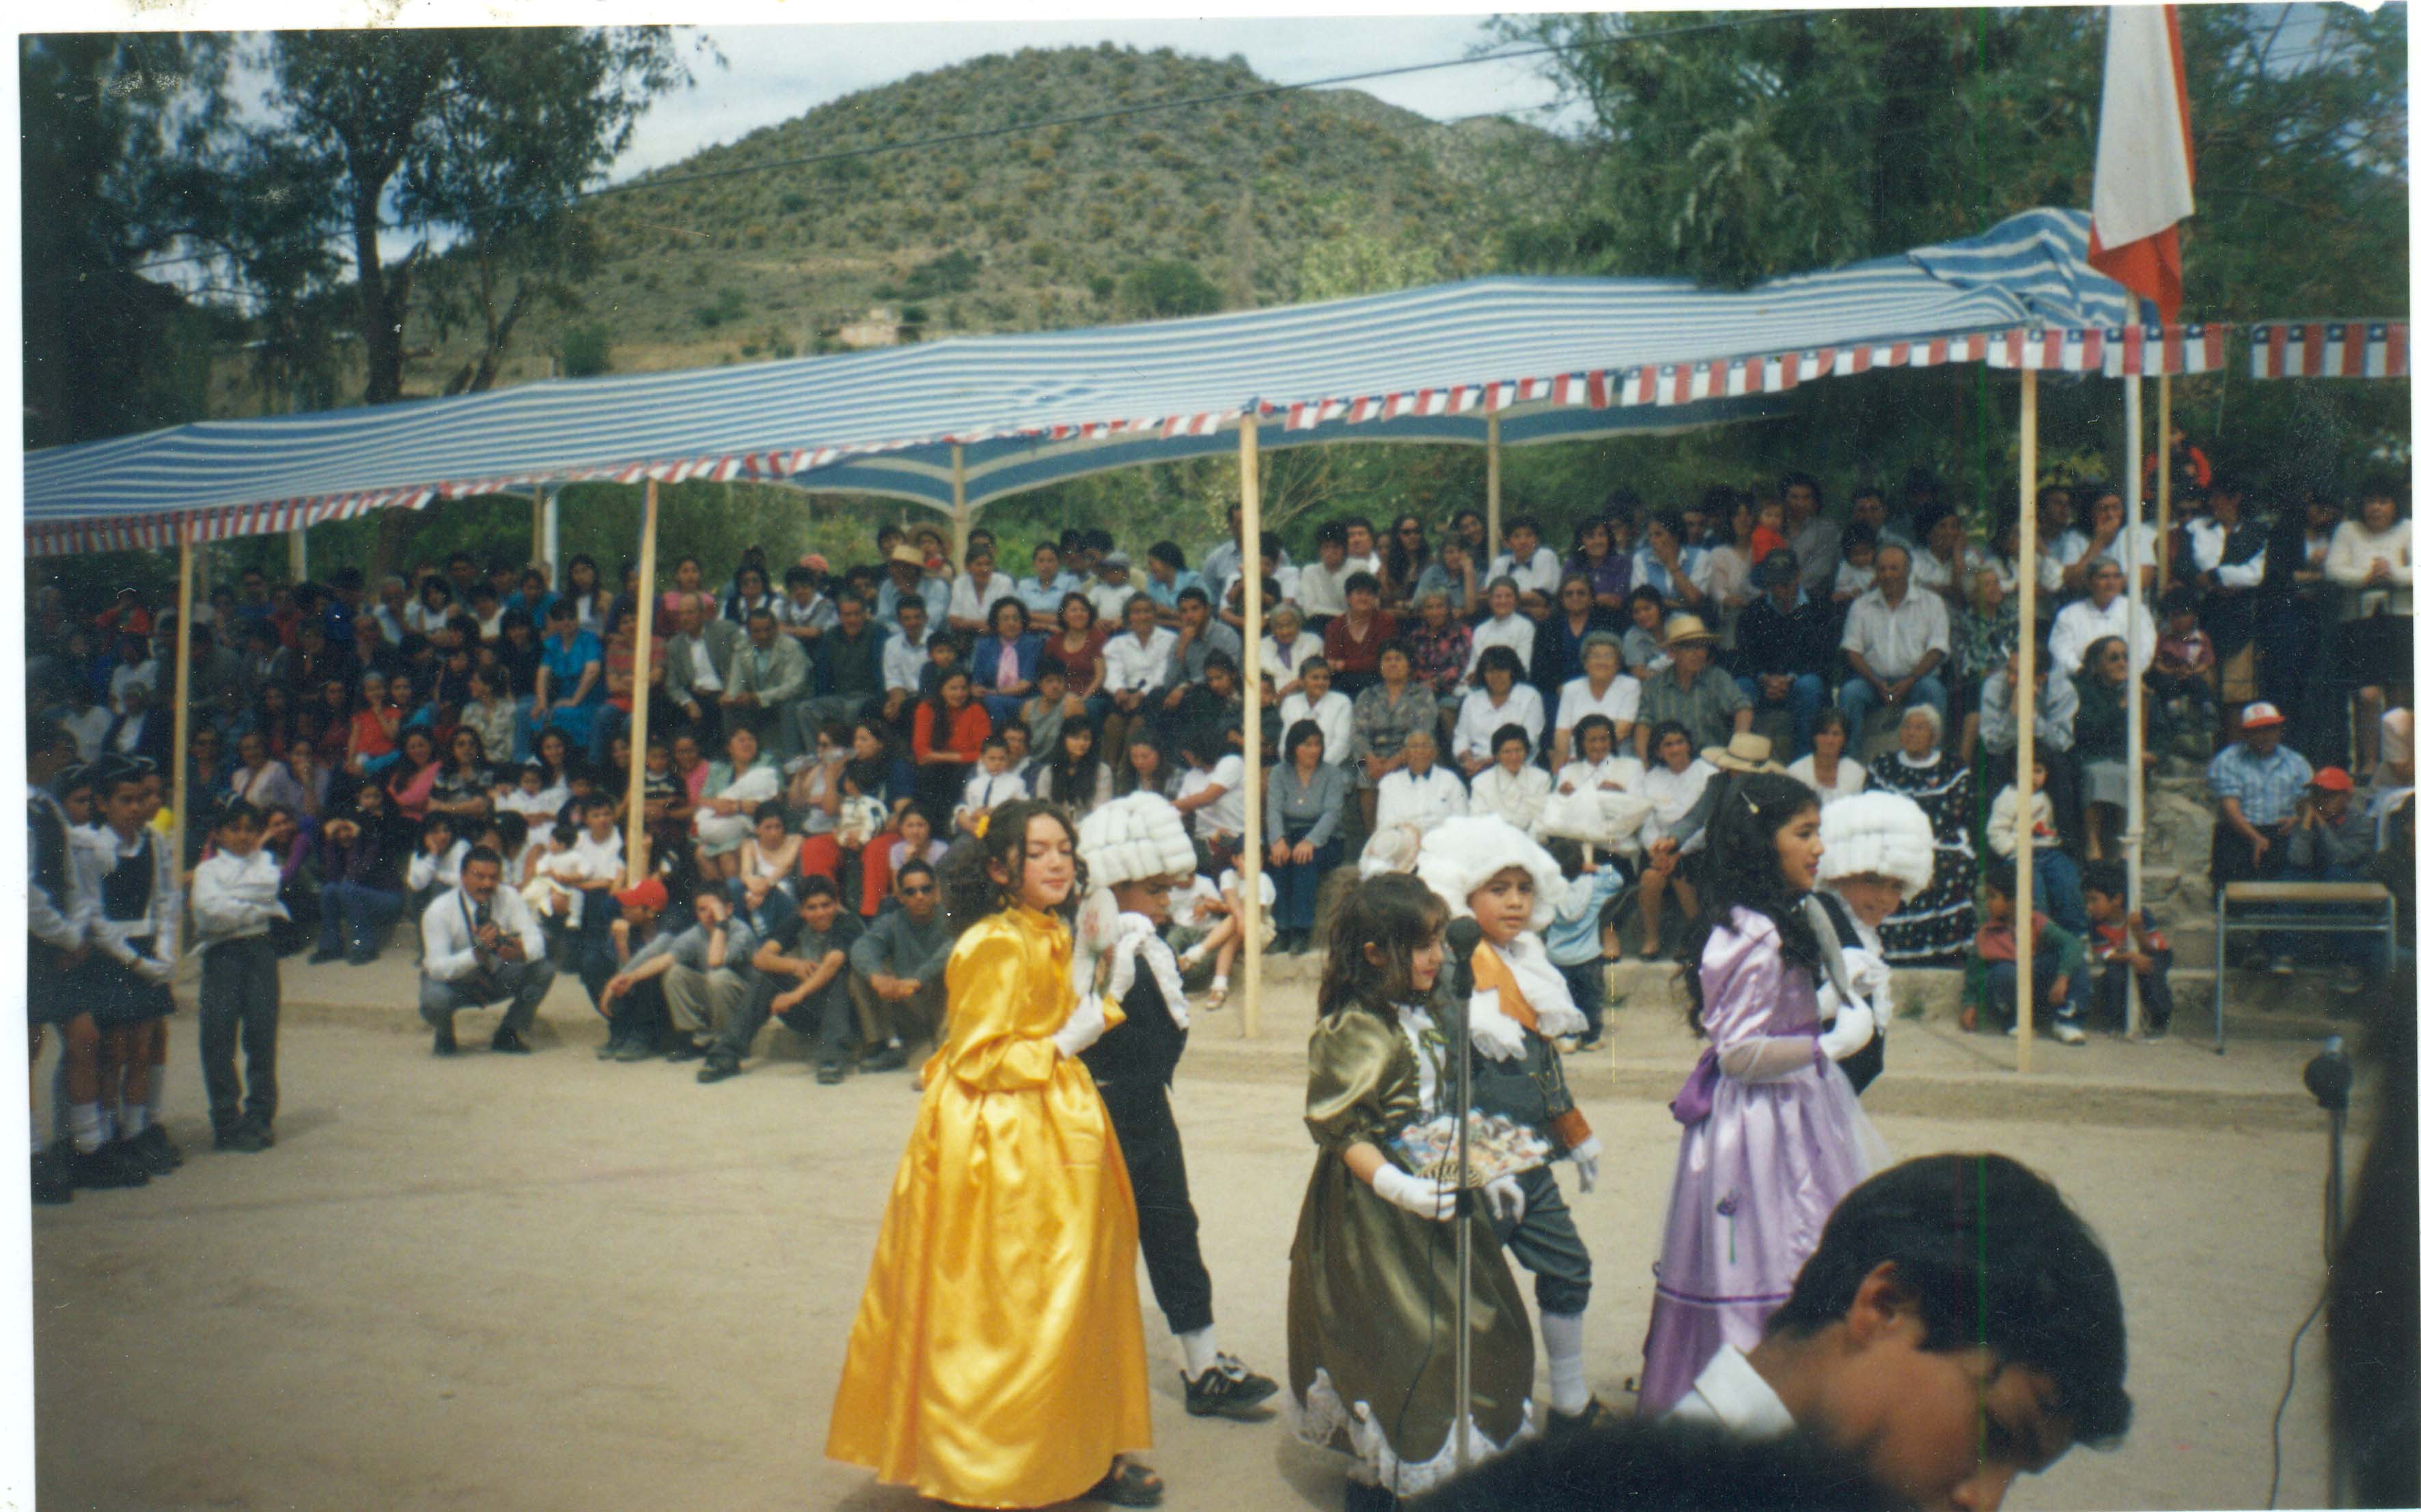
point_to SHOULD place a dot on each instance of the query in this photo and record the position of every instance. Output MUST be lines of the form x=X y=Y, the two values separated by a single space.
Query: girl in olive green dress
x=1370 y=1300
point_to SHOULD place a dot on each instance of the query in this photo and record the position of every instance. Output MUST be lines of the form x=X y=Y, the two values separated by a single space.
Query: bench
x=2355 y=908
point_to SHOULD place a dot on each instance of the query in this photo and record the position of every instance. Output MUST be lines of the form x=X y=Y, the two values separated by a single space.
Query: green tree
x=1164 y=288
x=1347 y=261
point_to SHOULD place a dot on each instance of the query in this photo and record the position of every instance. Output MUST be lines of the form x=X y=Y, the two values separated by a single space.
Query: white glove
x=160 y=973
x=1133 y=931
x=1584 y=1158
x=1419 y=1195
x=1493 y=1033
x=1871 y=978
x=1505 y=1199
x=1848 y=1035
x=1084 y=1026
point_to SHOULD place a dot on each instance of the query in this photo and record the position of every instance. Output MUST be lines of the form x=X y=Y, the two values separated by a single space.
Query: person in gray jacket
x=768 y=687
x=896 y=969
x=697 y=669
x=706 y=971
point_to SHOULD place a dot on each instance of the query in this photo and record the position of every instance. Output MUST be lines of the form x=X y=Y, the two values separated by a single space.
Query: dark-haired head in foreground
x=1662 y=1467
x=1957 y=1326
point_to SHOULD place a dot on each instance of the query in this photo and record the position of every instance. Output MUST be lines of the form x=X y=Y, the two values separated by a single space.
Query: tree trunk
x=382 y=331
x=484 y=378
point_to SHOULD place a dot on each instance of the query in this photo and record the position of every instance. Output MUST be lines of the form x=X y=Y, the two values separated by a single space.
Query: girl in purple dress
x=1772 y=1133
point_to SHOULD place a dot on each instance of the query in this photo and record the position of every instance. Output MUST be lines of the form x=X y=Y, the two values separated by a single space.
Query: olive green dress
x=1370 y=1298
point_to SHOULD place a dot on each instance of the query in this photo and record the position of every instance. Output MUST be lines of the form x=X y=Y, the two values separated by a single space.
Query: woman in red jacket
x=948 y=741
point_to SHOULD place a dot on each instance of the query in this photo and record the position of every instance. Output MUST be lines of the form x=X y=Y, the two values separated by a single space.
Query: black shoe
x=156 y=1150
x=509 y=1043
x=718 y=1068
x=1561 y=1424
x=52 y=1182
x=831 y=1073
x=360 y=958
x=1227 y=1390
x=321 y=957
x=445 y=1044
x=250 y=1138
x=688 y=1049
x=1365 y=1498
x=634 y=1050
x=611 y=1050
x=891 y=1057
x=109 y=1167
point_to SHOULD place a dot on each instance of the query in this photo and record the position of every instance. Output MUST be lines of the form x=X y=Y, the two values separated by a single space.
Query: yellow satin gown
x=997 y=1359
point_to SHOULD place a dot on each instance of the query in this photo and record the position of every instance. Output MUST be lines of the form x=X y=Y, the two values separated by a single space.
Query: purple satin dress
x=1758 y=1174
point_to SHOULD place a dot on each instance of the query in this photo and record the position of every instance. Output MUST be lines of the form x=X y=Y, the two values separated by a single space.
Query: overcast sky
x=779 y=73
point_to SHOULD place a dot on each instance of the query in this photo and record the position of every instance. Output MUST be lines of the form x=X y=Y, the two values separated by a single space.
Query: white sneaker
x=2066 y=1033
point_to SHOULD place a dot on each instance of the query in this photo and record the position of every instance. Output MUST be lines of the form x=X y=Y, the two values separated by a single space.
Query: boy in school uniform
x=2123 y=944
x=1878 y=852
x=235 y=903
x=58 y=923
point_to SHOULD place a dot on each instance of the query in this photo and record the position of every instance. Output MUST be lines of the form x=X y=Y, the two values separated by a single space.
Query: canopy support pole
x=180 y=766
x=2027 y=579
x=634 y=849
x=551 y=541
x=537 y=527
x=1248 y=869
x=2135 y=557
x=2161 y=541
x=1495 y=493
x=298 y=555
x=962 y=522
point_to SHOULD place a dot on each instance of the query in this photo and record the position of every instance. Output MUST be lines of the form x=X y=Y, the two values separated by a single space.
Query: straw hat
x=1746 y=752
x=908 y=555
x=1687 y=630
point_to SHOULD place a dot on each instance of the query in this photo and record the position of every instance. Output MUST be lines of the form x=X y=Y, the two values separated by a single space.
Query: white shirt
x=2080 y=625
x=1320 y=591
x=2056 y=556
x=446 y=941
x=593 y=860
x=235 y=897
x=1130 y=665
x=1732 y=1395
x=544 y=803
x=1627 y=773
x=88 y=727
x=703 y=676
x=818 y=614
x=429 y=871
x=1110 y=601
x=1543 y=571
x=1285 y=662
x=2207 y=538
x=2147 y=550
x=1893 y=641
x=1225 y=814
x=98 y=851
x=2351 y=551
x=1334 y=714
x=967 y=601
x=990 y=790
x=1476 y=726
x=1515 y=629
x=1848 y=780
x=1927 y=570
x=1619 y=704
x=904 y=661
x=1516 y=799
x=145 y=672
x=1420 y=801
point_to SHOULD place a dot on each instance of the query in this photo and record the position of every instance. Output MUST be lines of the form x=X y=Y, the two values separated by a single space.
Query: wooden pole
x=2160 y=542
x=635 y=850
x=963 y=520
x=1495 y=494
x=2134 y=555
x=183 y=721
x=538 y=528
x=1248 y=468
x=298 y=555
x=2025 y=704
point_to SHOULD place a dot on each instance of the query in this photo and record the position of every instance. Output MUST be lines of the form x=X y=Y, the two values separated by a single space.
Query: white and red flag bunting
x=2333 y=349
x=2142 y=163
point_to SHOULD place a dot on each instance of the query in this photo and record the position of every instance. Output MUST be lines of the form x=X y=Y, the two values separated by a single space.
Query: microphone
x=2329 y=1076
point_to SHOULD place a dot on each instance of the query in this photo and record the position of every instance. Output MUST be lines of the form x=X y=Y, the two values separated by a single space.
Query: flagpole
x=1248 y=864
x=2160 y=538
x=2133 y=557
x=2027 y=578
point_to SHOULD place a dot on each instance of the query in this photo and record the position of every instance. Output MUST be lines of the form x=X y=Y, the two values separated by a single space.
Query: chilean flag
x=2142 y=168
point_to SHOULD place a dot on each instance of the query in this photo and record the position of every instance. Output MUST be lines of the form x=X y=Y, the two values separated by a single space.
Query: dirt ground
x=549 y=1282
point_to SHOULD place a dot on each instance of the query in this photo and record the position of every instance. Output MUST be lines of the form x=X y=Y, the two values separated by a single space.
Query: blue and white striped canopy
x=1549 y=359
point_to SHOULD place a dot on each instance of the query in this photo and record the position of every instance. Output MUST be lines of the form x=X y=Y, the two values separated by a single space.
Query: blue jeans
x=1807 y=695
x=1858 y=696
x=2001 y=988
x=2059 y=890
x=355 y=919
x=1298 y=883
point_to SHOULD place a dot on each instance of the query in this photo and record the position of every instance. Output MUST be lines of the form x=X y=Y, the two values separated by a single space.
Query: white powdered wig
x=1129 y=838
x=1877 y=835
x=1460 y=855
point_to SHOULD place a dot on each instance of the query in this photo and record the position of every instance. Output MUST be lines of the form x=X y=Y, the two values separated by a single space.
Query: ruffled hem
x=1322 y=1420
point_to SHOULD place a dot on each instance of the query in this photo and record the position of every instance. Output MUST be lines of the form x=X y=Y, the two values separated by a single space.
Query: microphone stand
x=1463 y=1204
x=2329 y=1077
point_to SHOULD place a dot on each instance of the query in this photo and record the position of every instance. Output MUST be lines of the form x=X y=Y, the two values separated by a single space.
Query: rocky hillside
x=1228 y=205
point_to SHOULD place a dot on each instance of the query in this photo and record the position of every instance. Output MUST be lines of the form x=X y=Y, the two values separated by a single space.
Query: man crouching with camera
x=480 y=945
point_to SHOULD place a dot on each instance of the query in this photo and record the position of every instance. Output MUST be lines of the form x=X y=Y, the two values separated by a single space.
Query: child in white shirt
x=988 y=786
x=1510 y=787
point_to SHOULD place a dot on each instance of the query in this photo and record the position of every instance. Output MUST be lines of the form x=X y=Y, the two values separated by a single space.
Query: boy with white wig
x=1878 y=852
x=1134 y=852
x=1499 y=886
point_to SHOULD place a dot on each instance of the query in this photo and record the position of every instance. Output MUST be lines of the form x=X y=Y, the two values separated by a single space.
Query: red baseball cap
x=2333 y=780
x=649 y=894
x=2260 y=716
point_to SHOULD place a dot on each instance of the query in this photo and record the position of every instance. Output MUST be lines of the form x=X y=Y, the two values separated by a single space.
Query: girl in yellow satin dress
x=997 y=1359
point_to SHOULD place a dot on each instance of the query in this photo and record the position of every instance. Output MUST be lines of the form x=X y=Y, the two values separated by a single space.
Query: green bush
x=586 y=350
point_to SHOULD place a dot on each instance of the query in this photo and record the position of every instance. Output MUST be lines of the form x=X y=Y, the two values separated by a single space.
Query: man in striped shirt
x=2255 y=783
